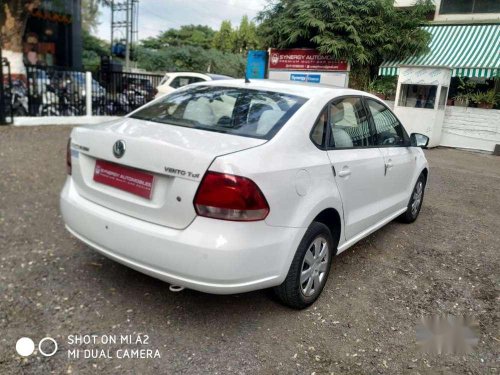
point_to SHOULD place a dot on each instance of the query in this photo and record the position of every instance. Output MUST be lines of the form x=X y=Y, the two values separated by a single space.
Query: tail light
x=68 y=157
x=227 y=197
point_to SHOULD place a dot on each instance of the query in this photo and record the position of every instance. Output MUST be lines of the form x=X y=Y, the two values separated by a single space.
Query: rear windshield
x=249 y=113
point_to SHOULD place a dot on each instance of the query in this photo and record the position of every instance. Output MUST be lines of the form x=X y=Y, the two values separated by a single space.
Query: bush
x=191 y=58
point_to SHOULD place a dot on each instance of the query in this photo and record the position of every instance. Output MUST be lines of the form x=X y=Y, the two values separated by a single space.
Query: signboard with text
x=304 y=60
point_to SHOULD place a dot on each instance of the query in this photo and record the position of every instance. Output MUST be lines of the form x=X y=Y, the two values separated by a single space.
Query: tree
x=90 y=15
x=187 y=35
x=191 y=58
x=93 y=49
x=364 y=32
x=225 y=37
x=246 y=36
x=13 y=14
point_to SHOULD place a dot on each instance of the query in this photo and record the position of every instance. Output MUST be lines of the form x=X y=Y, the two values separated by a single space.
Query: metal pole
x=2 y=99
x=127 y=33
x=88 y=93
x=112 y=25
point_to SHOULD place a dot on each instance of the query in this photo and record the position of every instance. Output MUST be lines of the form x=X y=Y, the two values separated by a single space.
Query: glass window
x=250 y=113
x=469 y=6
x=318 y=134
x=180 y=82
x=442 y=97
x=349 y=124
x=388 y=129
x=417 y=96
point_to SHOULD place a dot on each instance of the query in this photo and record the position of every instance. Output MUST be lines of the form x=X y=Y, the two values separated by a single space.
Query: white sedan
x=172 y=81
x=228 y=187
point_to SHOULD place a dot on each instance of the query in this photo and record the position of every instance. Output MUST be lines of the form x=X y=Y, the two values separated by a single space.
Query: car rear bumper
x=210 y=255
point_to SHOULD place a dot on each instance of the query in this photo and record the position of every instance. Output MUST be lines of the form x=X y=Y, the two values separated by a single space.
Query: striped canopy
x=470 y=50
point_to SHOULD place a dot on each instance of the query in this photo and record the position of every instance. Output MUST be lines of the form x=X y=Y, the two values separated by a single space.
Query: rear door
x=399 y=161
x=358 y=164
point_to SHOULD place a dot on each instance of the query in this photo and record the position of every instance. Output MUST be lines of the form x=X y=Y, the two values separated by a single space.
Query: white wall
x=404 y=3
x=473 y=128
x=15 y=60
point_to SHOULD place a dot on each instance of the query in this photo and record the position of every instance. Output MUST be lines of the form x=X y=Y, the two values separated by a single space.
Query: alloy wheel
x=417 y=198
x=314 y=267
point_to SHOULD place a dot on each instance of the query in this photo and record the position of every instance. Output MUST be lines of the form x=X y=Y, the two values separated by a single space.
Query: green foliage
x=224 y=39
x=93 y=49
x=188 y=35
x=365 y=32
x=385 y=86
x=489 y=98
x=245 y=36
x=191 y=58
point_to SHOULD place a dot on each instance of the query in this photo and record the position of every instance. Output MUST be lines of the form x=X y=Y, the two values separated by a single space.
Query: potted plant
x=486 y=99
x=462 y=100
x=465 y=91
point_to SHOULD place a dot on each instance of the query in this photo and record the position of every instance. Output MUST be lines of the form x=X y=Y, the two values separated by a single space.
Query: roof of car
x=306 y=90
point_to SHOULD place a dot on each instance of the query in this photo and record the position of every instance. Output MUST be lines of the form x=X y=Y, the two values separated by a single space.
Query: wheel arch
x=425 y=172
x=331 y=218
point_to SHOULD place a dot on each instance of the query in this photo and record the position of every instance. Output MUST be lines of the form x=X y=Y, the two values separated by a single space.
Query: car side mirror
x=419 y=140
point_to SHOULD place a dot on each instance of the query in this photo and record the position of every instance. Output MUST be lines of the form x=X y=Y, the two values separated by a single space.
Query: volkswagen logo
x=119 y=149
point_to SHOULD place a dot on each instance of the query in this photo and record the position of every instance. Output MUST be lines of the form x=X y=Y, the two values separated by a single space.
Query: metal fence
x=6 y=108
x=57 y=91
x=118 y=93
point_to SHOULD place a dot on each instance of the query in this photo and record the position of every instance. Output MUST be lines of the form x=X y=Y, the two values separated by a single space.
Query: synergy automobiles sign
x=304 y=60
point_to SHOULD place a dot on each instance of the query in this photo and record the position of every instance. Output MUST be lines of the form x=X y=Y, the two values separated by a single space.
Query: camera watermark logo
x=447 y=334
x=46 y=346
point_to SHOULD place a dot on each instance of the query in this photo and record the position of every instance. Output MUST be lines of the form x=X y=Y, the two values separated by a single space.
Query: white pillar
x=88 y=93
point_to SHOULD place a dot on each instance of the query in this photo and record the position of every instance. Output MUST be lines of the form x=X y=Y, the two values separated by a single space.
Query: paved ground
x=364 y=323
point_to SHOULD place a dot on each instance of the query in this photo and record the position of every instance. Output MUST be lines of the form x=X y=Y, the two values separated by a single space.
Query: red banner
x=304 y=59
x=118 y=176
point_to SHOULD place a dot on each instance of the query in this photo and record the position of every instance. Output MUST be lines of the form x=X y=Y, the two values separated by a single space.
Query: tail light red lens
x=227 y=197
x=68 y=157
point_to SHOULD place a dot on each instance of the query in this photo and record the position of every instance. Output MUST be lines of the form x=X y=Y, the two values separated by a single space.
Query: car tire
x=415 y=203
x=297 y=293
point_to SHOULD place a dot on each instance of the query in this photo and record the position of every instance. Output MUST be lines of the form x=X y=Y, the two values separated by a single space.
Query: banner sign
x=304 y=59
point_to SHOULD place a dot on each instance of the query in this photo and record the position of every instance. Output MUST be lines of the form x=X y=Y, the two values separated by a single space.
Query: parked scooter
x=19 y=98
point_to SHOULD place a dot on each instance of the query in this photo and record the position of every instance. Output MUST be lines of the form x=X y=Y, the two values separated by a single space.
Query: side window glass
x=388 y=129
x=195 y=80
x=318 y=134
x=179 y=82
x=349 y=124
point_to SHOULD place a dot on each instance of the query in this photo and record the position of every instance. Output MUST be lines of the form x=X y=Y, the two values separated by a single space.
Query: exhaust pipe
x=176 y=288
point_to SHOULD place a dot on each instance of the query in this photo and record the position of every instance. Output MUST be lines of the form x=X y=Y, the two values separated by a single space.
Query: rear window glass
x=245 y=112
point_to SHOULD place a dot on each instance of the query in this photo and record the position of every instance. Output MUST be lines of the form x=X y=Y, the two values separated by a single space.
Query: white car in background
x=228 y=187
x=173 y=81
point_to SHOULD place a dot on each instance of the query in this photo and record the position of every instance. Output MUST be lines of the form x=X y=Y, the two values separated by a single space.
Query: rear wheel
x=415 y=203
x=310 y=268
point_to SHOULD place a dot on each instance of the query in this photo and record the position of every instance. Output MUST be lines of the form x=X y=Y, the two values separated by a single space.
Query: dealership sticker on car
x=127 y=179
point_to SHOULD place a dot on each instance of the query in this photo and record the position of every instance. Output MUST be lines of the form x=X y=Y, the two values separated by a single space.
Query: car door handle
x=388 y=166
x=345 y=172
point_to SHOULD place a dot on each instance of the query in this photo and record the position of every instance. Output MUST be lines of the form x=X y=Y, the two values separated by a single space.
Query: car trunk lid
x=176 y=158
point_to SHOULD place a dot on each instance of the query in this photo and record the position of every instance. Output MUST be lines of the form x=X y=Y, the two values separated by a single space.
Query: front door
x=358 y=164
x=399 y=160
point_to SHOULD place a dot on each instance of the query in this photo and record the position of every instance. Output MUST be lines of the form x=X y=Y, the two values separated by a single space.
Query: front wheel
x=415 y=203
x=310 y=268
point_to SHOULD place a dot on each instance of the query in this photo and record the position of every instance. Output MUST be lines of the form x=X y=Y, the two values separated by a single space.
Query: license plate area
x=124 y=178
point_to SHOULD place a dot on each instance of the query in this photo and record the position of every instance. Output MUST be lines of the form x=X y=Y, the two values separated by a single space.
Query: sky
x=160 y=15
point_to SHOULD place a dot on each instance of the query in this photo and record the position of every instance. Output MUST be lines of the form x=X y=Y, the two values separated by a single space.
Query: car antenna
x=246 y=78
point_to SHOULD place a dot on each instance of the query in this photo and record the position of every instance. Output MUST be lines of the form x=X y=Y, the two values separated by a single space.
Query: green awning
x=470 y=50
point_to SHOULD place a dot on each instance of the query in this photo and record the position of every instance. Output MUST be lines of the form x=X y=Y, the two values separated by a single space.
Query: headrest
x=337 y=112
